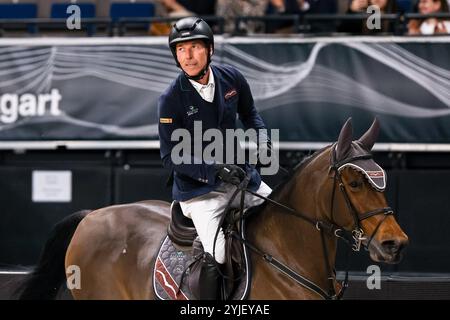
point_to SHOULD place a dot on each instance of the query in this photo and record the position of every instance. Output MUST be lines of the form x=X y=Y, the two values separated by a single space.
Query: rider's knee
x=218 y=253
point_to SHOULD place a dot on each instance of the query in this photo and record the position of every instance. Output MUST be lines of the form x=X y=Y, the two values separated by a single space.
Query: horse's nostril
x=391 y=246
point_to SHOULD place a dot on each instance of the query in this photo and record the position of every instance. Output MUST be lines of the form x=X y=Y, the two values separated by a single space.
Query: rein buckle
x=358 y=237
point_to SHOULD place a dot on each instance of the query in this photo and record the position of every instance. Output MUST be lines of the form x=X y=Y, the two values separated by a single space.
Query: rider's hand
x=230 y=173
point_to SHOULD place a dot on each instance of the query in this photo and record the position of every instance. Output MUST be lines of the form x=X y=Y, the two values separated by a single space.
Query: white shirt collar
x=198 y=86
x=206 y=91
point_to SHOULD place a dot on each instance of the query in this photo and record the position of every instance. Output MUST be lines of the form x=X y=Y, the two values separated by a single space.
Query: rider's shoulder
x=228 y=71
x=171 y=90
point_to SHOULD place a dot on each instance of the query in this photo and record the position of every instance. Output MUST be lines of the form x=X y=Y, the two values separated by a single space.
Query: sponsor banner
x=107 y=89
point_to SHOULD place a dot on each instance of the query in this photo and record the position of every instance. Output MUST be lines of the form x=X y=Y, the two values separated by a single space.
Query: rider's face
x=192 y=56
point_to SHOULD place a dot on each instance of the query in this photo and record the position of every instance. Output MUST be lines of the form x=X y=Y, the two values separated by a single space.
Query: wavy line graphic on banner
x=151 y=68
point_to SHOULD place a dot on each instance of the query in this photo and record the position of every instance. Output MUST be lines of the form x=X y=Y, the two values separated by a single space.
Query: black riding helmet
x=191 y=28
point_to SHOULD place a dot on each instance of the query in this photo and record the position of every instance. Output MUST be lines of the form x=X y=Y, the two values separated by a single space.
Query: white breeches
x=206 y=211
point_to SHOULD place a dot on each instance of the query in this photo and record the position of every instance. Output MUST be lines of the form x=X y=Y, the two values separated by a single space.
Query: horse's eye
x=354 y=184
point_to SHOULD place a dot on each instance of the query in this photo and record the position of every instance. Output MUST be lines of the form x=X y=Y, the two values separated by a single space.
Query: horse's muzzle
x=389 y=250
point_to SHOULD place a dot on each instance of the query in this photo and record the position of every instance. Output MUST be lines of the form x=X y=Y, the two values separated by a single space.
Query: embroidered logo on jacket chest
x=192 y=110
x=230 y=93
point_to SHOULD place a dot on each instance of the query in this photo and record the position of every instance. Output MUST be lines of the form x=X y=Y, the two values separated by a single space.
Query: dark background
x=417 y=190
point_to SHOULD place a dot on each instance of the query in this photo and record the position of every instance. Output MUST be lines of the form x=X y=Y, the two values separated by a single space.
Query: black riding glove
x=230 y=173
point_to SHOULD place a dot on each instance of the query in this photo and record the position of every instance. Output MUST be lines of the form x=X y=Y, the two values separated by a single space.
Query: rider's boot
x=204 y=279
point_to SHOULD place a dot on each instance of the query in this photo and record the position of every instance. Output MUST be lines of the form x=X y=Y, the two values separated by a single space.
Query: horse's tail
x=44 y=281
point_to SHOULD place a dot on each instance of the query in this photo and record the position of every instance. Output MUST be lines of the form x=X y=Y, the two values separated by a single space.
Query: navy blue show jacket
x=180 y=105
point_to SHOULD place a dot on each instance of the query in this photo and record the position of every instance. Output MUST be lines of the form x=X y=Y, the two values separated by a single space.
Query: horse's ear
x=368 y=139
x=345 y=140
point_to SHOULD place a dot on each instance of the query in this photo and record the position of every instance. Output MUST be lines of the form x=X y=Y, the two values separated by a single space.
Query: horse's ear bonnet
x=368 y=139
x=346 y=150
x=344 y=141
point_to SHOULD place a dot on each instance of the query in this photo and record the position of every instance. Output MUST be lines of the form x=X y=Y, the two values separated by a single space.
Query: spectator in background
x=283 y=7
x=178 y=9
x=297 y=7
x=230 y=9
x=189 y=7
x=360 y=7
x=342 y=6
x=320 y=7
x=432 y=25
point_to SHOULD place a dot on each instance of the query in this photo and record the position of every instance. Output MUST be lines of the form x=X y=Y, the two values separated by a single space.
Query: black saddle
x=181 y=229
x=176 y=254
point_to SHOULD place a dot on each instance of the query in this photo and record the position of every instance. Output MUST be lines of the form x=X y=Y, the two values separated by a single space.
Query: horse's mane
x=289 y=177
x=294 y=172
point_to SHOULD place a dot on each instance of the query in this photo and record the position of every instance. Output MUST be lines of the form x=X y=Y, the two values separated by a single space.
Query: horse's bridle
x=353 y=238
x=357 y=232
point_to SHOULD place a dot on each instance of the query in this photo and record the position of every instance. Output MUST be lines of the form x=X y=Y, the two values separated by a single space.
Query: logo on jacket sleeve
x=165 y=120
x=230 y=93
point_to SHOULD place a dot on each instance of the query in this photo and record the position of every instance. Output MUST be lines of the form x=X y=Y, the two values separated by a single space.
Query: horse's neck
x=294 y=241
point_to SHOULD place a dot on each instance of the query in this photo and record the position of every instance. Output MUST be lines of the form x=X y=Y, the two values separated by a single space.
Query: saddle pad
x=169 y=266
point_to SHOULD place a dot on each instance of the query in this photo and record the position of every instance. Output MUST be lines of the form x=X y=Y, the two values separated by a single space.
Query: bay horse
x=332 y=193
